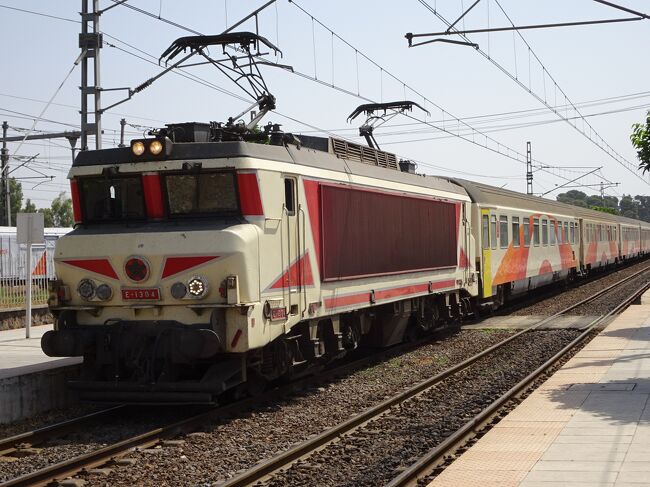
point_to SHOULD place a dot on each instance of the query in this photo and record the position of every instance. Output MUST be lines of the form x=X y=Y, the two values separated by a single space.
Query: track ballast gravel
x=222 y=449
x=379 y=451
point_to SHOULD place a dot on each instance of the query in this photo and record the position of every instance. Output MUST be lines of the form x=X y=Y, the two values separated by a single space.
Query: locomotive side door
x=292 y=246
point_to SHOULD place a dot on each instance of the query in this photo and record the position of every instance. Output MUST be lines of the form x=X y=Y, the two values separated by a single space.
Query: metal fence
x=13 y=276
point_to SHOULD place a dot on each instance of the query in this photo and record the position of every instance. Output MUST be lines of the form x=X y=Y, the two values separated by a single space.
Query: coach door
x=293 y=222
x=488 y=238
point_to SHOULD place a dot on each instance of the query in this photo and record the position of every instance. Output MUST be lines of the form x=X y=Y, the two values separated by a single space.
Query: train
x=200 y=264
x=13 y=255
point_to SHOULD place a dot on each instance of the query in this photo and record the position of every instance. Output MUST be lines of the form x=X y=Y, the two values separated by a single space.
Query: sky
x=572 y=92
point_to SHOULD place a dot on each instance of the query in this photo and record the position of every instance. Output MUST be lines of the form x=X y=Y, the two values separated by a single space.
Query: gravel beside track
x=46 y=419
x=379 y=451
x=222 y=449
x=557 y=303
x=611 y=299
x=93 y=436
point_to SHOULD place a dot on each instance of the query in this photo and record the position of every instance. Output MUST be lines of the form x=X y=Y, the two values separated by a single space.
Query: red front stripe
x=76 y=203
x=249 y=195
x=98 y=266
x=174 y=265
x=153 y=199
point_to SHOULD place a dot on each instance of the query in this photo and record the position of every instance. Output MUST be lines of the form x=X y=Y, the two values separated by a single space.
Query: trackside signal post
x=30 y=230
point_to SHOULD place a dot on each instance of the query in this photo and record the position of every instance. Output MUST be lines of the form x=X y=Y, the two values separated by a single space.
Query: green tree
x=59 y=214
x=641 y=141
x=644 y=207
x=48 y=221
x=629 y=207
x=16 y=198
x=573 y=197
x=29 y=207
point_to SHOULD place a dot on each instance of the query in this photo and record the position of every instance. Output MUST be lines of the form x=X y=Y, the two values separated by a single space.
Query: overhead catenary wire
x=496 y=147
x=603 y=145
x=293 y=119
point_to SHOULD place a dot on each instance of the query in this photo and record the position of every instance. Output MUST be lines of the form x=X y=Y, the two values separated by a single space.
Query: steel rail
x=436 y=456
x=12 y=443
x=103 y=455
x=267 y=468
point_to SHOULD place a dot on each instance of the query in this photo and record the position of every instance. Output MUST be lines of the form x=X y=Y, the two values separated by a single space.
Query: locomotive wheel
x=351 y=336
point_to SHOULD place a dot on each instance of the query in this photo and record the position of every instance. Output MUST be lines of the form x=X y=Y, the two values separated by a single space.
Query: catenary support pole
x=5 y=172
x=28 y=292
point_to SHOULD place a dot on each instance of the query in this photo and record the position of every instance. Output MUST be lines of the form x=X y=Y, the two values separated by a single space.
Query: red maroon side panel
x=368 y=233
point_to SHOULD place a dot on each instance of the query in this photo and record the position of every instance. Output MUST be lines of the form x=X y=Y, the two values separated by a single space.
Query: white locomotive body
x=233 y=262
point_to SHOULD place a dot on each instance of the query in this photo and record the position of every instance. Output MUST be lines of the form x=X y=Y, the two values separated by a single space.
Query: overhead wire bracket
x=451 y=30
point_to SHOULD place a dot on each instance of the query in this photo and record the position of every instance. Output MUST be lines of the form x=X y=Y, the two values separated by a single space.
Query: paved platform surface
x=587 y=425
x=20 y=356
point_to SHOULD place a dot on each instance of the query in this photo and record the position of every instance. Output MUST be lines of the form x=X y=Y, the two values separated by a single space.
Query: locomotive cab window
x=209 y=193
x=116 y=198
x=290 y=195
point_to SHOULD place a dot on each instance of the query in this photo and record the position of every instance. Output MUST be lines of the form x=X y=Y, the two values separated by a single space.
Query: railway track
x=266 y=469
x=105 y=455
x=436 y=457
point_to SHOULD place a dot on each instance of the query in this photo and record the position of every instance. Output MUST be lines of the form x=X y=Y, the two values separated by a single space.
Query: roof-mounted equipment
x=242 y=68
x=373 y=120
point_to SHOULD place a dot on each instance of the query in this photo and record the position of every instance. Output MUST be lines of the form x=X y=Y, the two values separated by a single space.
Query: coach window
x=553 y=229
x=503 y=231
x=566 y=232
x=515 y=231
x=486 y=232
x=544 y=231
x=290 y=195
x=536 y=232
x=493 y=230
x=526 y=232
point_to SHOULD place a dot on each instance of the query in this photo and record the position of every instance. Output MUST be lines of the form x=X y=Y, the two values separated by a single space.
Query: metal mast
x=529 y=169
x=5 y=174
x=90 y=43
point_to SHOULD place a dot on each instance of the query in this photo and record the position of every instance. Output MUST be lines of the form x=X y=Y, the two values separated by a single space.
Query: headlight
x=197 y=287
x=86 y=289
x=104 y=292
x=178 y=290
x=137 y=148
x=155 y=147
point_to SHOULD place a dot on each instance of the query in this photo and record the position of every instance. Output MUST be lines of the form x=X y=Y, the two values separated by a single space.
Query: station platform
x=30 y=381
x=587 y=425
